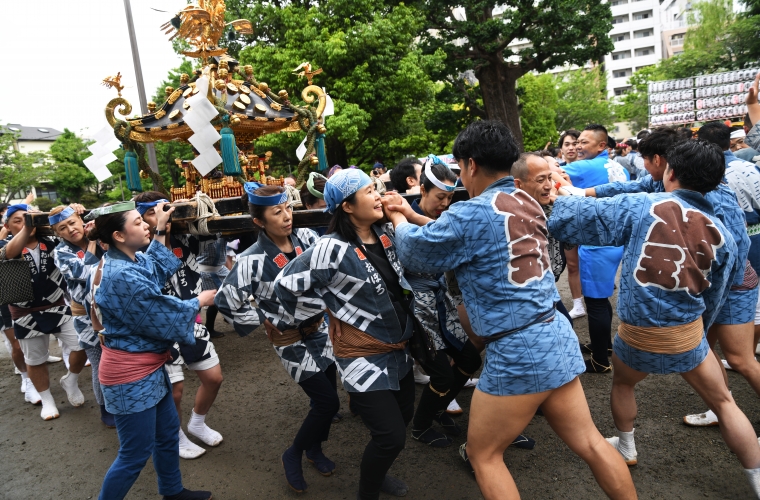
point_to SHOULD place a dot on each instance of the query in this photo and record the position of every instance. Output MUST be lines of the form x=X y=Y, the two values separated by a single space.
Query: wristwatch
x=160 y=232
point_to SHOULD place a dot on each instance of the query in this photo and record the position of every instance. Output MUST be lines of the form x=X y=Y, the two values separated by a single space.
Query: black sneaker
x=186 y=494
x=594 y=367
x=449 y=426
x=431 y=437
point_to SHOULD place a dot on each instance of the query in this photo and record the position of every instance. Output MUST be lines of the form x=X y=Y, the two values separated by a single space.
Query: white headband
x=432 y=178
x=738 y=133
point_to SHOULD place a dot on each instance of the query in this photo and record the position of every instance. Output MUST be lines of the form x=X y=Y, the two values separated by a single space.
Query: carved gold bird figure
x=306 y=71
x=202 y=26
x=114 y=82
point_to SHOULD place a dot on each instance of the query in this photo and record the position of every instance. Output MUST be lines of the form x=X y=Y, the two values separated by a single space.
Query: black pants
x=599 y=328
x=386 y=414
x=563 y=311
x=446 y=380
x=321 y=389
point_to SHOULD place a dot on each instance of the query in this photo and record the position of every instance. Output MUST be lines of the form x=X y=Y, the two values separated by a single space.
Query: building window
x=621 y=73
x=45 y=193
x=622 y=90
x=676 y=40
x=620 y=37
x=616 y=56
x=615 y=3
x=646 y=51
x=620 y=19
x=638 y=16
x=642 y=33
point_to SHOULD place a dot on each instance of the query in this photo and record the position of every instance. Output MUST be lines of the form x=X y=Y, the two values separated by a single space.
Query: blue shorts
x=739 y=308
x=663 y=364
x=539 y=358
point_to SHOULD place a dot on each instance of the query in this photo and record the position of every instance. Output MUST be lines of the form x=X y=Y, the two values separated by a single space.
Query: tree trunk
x=498 y=86
x=336 y=152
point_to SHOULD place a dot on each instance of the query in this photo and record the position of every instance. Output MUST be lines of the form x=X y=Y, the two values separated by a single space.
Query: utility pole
x=140 y=84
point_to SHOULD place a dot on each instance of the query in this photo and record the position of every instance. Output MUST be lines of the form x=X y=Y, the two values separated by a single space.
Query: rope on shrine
x=206 y=210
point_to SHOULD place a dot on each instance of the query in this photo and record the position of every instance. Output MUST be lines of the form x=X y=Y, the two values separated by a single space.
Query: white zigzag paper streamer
x=102 y=153
x=198 y=118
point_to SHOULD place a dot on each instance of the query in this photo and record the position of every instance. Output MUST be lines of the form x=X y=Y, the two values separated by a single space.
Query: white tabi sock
x=24 y=375
x=74 y=377
x=626 y=444
x=578 y=303
x=196 y=419
x=753 y=475
x=198 y=428
x=47 y=398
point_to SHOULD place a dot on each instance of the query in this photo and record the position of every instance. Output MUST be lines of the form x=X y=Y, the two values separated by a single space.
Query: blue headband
x=429 y=162
x=22 y=207
x=143 y=207
x=343 y=184
x=60 y=216
x=265 y=201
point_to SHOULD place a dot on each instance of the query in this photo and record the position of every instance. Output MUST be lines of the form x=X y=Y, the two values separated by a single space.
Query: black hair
x=257 y=211
x=642 y=134
x=402 y=170
x=106 y=225
x=3 y=208
x=441 y=172
x=716 y=132
x=657 y=143
x=698 y=165
x=684 y=134
x=490 y=143
x=611 y=142
x=633 y=144
x=571 y=132
x=309 y=199
x=148 y=197
x=597 y=128
x=747 y=122
x=341 y=224
x=520 y=167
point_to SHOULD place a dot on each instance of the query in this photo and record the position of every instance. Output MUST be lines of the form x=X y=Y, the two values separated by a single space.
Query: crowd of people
x=392 y=293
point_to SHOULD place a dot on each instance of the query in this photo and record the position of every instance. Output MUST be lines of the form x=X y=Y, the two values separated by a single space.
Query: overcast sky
x=57 y=53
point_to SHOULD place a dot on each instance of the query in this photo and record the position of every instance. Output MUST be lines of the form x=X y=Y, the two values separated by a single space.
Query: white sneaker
x=31 y=395
x=54 y=359
x=706 y=419
x=419 y=377
x=187 y=449
x=632 y=459
x=88 y=363
x=726 y=365
x=23 y=385
x=16 y=370
x=473 y=382
x=76 y=398
x=205 y=434
x=578 y=311
x=454 y=408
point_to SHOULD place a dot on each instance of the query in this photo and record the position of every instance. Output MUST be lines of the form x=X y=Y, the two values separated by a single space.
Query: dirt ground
x=259 y=410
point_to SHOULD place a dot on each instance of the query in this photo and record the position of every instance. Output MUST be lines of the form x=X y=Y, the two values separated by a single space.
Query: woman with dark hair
x=140 y=324
x=437 y=311
x=199 y=356
x=77 y=258
x=353 y=273
x=302 y=345
x=312 y=197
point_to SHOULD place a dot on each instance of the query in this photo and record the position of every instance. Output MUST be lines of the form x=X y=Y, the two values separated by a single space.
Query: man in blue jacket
x=598 y=265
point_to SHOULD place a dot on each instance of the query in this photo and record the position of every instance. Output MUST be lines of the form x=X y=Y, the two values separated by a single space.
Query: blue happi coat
x=724 y=206
x=598 y=265
x=335 y=274
x=679 y=258
x=78 y=266
x=744 y=179
x=49 y=287
x=253 y=276
x=138 y=317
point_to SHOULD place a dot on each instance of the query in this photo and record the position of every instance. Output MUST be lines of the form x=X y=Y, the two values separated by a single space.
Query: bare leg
x=737 y=344
x=211 y=381
x=622 y=398
x=16 y=354
x=712 y=339
x=573 y=273
x=566 y=410
x=177 y=389
x=77 y=360
x=736 y=430
x=39 y=376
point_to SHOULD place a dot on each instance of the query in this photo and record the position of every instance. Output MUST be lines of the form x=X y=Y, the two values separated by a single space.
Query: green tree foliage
x=634 y=107
x=376 y=75
x=19 y=171
x=538 y=99
x=582 y=99
x=558 y=32
x=70 y=177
